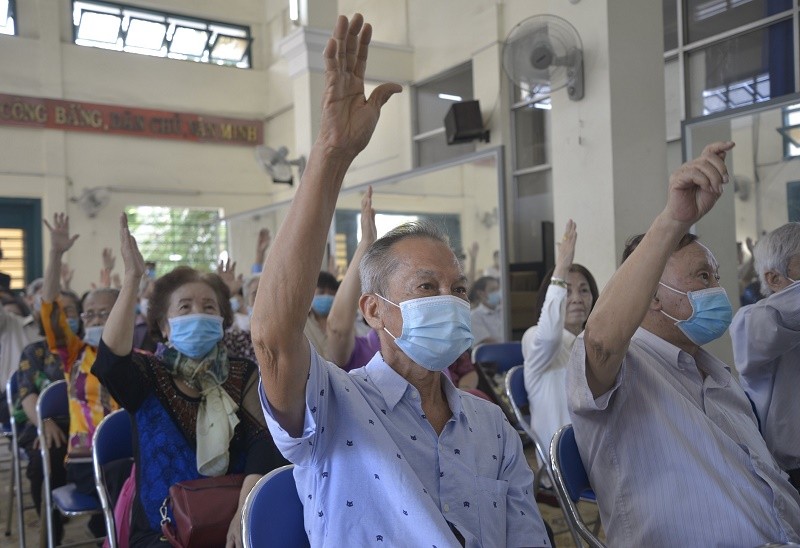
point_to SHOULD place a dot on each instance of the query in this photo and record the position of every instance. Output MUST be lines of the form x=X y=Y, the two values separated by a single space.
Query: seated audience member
x=667 y=435
x=17 y=330
x=195 y=407
x=343 y=347
x=766 y=346
x=565 y=299
x=89 y=402
x=390 y=453
x=487 y=316
x=317 y=320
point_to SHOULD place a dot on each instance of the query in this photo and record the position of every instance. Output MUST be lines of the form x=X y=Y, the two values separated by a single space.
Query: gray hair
x=379 y=262
x=112 y=292
x=774 y=251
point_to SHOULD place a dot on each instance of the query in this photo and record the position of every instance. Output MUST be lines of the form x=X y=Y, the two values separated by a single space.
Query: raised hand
x=227 y=271
x=60 y=240
x=473 y=251
x=696 y=186
x=108 y=259
x=566 y=250
x=348 y=117
x=262 y=244
x=129 y=249
x=369 y=232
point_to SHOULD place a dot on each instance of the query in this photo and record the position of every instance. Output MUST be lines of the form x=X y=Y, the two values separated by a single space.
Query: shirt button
x=414 y=395
x=446 y=507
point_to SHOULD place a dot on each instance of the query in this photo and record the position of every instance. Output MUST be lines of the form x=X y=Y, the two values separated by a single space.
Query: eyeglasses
x=89 y=316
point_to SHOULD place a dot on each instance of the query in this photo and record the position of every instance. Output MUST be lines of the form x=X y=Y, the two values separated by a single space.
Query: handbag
x=202 y=510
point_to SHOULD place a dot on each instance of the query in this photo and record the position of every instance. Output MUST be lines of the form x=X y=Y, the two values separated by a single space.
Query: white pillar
x=609 y=150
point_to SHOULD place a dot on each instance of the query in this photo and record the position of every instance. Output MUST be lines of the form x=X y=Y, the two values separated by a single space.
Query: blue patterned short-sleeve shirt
x=371 y=470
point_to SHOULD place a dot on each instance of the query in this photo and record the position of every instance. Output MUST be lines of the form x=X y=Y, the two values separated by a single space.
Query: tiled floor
x=75 y=530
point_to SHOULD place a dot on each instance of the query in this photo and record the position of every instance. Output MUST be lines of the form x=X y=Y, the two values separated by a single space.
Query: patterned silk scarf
x=216 y=416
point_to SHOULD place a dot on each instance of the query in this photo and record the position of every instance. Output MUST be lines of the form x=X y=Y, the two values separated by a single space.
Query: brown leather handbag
x=202 y=509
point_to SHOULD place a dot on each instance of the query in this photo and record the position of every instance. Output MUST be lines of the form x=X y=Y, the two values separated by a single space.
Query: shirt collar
x=677 y=358
x=393 y=386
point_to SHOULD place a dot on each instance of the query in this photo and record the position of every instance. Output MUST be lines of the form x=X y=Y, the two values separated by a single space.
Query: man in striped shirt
x=666 y=433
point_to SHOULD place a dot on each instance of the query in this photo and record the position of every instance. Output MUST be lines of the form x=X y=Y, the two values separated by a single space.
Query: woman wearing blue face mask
x=195 y=406
x=487 y=316
x=317 y=323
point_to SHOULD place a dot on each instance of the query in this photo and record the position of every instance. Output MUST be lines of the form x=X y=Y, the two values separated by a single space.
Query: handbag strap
x=167 y=529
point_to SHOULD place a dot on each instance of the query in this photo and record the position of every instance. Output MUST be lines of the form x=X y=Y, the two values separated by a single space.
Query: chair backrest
x=113 y=440
x=273 y=514
x=503 y=355
x=571 y=481
x=53 y=401
x=518 y=397
x=12 y=387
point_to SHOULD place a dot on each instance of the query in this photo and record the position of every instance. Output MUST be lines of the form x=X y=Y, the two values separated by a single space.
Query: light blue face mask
x=494 y=298
x=194 y=335
x=436 y=330
x=711 y=314
x=92 y=335
x=322 y=304
x=235 y=305
x=74 y=324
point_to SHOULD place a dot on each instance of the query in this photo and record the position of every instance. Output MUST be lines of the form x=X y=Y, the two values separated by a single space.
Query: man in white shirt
x=766 y=346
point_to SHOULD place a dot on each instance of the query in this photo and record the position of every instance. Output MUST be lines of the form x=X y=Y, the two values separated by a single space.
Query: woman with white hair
x=766 y=345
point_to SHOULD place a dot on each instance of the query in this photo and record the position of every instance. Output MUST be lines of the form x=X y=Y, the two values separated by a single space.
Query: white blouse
x=546 y=348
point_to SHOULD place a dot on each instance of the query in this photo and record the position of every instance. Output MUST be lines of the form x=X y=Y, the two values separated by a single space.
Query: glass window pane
x=706 y=18
x=532 y=134
x=670 y=24
x=533 y=204
x=435 y=149
x=749 y=68
x=99 y=27
x=434 y=98
x=145 y=34
x=188 y=41
x=12 y=243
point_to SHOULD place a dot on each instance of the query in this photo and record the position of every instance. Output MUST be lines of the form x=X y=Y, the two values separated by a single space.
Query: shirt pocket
x=491 y=498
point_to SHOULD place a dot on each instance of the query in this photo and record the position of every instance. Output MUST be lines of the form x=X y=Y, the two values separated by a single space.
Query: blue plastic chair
x=53 y=402
x=273 y=514
x=518 y=396
x=571 y=481
x=113 y=440
x=503 y=355
x=12 y=389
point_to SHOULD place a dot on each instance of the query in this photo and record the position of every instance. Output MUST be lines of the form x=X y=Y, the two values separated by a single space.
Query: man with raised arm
x=391 y=454
x=666 y=433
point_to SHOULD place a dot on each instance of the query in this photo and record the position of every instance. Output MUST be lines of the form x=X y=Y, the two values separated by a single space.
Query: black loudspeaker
x=463 y=123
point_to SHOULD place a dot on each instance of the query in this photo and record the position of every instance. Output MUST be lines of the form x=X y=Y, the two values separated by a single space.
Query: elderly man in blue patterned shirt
x=391 y=454
x=666 y=433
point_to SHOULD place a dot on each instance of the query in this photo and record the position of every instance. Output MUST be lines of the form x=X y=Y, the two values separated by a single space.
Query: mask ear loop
x=676 y=320
x=390 y=302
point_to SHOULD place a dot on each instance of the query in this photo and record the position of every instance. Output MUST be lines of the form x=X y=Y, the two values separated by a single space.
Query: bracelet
x=559 y=282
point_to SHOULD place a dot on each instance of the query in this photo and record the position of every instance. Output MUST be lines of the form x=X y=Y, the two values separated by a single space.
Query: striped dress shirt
x=676 y=458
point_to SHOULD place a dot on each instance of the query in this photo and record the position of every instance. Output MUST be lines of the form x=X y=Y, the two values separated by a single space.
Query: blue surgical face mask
x=436 y=330
x=74 y=324
x=92 y=335
x=711 y=314
x=322 y=304
x=494 y=298
x=235 y=305
x=195 y=335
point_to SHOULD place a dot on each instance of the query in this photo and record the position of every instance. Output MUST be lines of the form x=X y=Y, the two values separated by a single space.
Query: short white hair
x=774 y=251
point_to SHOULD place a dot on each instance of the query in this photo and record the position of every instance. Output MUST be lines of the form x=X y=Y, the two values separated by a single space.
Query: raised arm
x=292 y=265
x=340 y=327
x=118 y=332
x=60 y=243
x=694 y=188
